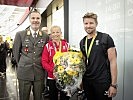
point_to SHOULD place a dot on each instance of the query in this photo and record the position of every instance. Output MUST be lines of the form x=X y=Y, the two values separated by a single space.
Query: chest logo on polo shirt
x=97 y=42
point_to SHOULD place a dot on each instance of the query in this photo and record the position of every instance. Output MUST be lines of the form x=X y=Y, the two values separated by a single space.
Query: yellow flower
x=57 y=62
x=77 y=61
x=60 y=69
x=57 y=56
x=69 y=71
x=69 y=68
x=80 y=54
x=75 y=73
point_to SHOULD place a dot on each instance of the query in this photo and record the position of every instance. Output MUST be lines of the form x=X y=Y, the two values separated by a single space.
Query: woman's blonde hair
x=55 y=26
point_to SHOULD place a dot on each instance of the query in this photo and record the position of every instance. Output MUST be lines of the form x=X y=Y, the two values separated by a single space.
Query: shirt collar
x=32 y=31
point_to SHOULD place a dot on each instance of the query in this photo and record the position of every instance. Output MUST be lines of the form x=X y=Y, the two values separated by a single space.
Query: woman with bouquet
x=55 y=45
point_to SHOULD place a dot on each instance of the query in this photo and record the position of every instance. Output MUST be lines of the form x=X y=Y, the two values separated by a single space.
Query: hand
x=54 y=78
x=81 y=86
x=112 y=91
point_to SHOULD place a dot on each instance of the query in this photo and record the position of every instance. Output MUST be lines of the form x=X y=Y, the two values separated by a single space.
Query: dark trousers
x=3 y=88
x=53 y=91
x=3 y=64
x=95 y=91
x=26 y=86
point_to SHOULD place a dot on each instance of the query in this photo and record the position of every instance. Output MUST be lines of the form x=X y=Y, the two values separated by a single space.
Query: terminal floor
x=9 y=85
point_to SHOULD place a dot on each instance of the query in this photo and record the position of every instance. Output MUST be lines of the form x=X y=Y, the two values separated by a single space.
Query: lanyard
x=60 y=45
x=90 y=47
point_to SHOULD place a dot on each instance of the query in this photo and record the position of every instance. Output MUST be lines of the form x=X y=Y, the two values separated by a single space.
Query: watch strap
x=114 y=85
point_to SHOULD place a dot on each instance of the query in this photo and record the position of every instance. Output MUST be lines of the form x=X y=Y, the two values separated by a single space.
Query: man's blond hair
x=91 y=15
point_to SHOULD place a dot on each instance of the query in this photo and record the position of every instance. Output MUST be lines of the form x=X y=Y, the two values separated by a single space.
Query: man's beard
x=90 y=31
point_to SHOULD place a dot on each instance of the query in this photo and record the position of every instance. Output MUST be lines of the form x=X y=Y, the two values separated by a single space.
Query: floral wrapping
x=69 y=69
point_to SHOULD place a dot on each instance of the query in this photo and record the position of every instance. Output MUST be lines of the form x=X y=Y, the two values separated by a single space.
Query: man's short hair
x=34 y=11
x=91 y=15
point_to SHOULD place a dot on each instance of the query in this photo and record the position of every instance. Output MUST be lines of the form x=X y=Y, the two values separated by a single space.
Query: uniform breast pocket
x=40 y=45
x=27 y=46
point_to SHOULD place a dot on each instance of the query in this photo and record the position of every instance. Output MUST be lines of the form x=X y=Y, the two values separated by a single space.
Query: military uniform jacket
x=27 y=52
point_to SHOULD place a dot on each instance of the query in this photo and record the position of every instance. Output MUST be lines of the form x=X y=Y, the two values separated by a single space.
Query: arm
x=113 y=64
x=46 y=61
x=113 y=69
x=17 y=47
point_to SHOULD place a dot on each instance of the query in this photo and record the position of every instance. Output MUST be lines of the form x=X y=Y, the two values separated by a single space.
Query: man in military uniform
x=27 y=51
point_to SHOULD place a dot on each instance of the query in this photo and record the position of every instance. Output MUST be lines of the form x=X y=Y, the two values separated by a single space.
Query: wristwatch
x=114 y=85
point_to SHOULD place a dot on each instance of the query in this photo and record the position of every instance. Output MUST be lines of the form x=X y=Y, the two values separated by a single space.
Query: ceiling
x=20 y=3
x=14 y=12
x=10 y=17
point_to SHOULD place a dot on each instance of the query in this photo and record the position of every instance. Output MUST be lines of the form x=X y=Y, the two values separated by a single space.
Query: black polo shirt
x=97 y=68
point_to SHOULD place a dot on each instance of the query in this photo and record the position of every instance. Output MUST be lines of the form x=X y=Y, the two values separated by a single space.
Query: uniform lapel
x=28 y=33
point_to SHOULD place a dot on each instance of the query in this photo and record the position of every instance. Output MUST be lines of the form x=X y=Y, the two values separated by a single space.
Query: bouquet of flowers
x=69 y=69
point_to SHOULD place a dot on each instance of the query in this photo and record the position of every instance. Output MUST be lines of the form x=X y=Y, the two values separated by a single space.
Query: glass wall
x=115 y=17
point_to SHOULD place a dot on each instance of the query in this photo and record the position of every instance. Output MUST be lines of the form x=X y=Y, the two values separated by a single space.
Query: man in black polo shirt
x=100 y=78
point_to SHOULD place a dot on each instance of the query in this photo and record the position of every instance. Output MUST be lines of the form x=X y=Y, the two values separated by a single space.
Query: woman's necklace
x=55 y=47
